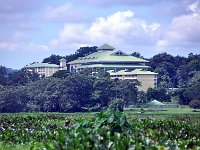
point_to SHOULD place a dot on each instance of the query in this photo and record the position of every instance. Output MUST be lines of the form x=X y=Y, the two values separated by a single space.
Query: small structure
x=155 y=105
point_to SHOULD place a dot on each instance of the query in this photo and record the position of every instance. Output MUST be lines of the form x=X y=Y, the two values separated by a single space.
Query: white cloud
x=183 y=31
x=21 y=46
x=66 y=12
x=117 y=29
x=161 y=43
x=20 y=36
x=107 y=3
x=194 y=7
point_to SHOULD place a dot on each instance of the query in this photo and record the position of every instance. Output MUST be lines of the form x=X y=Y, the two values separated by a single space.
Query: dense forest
x=20 y=91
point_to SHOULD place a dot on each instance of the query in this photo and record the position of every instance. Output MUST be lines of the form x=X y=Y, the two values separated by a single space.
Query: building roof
x=105 y=47
x=155 y=102
x=107 y=56
x=112 y=66
x=134 y=72
x=36 y=65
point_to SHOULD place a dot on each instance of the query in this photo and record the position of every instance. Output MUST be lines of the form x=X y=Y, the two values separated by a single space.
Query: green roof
x=105 y=47
x=36 y=65
x=135 y=71
x=107 y=56
x=112 y=66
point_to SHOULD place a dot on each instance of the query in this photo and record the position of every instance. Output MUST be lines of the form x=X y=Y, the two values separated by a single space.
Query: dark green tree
x=53 y=59
x=22 y=77
x=61 y=74
x=195 y=104
x=158 y=94
x=3 y=79
x=137 y=54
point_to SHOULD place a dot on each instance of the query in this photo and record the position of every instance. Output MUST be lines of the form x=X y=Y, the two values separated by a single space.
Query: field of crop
x=105 y=130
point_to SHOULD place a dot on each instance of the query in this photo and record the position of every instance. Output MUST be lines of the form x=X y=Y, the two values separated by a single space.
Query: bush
x=194 y=104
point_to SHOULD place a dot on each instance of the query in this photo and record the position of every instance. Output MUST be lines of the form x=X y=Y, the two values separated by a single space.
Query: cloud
x=64 y=13
x=16 y=6
x=18 y=13
x=119 y=28
x=20 y=36
x=22 y=46
x=183 y=30
x=107 y=3
x=20 y=42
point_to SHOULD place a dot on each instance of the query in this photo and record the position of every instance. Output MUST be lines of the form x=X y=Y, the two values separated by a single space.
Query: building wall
x=147 y=81
x=46 y=71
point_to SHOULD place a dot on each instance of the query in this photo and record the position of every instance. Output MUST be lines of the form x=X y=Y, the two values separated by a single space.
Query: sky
x=31 y=30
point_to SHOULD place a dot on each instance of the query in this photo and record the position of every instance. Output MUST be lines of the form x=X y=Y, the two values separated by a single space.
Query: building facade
x=118 y=64
x=46 y=69
x=147 y=79
x=107 y=58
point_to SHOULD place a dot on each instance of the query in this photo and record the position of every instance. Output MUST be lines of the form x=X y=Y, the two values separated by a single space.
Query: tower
x=63 y=65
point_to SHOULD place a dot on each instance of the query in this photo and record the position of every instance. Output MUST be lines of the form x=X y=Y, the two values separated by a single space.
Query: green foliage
x=3 y=74
x=192 y=92
x=158 y=94
x=137 y=54
x=61 y=74
x=81 y=52
x=182 y=99
x=105 y=130
x=53 y=59
x=195 y=104
x=13 y=100
x=22 y=77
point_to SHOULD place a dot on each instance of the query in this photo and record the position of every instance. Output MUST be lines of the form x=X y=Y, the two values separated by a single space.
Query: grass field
x=164 y=111
x=166 y=129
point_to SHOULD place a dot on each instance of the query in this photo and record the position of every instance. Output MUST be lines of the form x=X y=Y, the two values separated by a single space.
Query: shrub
x=195 y=104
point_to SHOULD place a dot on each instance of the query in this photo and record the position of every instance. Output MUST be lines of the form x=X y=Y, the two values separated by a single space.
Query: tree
x=81 y=52
x=158 y=94
x=195 y=104
x=14 y=100
x=3 y=79
x=164 y=65
x=53 y=59
x=195 y=79
x=179 y=93
x=22 y=77
x=102 y=93
x=141 y=97
x=61 y=74
x=125 y=90
x=137 y=54
x=192 y=92
x=76 y=92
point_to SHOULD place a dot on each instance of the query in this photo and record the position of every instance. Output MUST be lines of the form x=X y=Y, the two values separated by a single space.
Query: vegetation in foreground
x=104 y=130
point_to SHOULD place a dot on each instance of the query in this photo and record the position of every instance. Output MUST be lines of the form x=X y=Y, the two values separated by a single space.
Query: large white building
x=46 y=69
x=146 y=78
x=119 y=64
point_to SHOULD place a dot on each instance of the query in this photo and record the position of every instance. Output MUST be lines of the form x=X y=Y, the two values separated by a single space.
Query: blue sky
x=31 y=30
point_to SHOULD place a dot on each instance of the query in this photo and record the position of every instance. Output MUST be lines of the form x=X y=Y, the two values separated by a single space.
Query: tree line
x=21 y=91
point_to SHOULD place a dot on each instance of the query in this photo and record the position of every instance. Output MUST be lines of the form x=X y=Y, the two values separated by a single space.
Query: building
x=107 y=58
x=46 y=69
x=119 y=64
x=146 y=78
